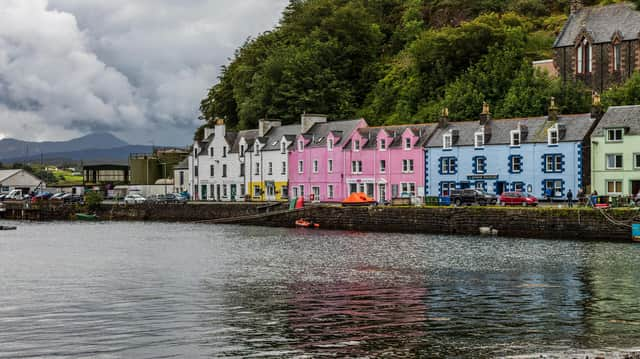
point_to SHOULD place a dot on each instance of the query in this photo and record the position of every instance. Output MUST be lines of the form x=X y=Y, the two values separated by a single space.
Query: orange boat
x=306 y=223
x=358 y=199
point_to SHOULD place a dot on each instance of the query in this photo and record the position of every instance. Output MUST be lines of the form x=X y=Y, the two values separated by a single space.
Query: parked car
x=16 y=195
x=71 y=198
x=57 y=196
x=177 y=198
x=158 y=198
x=518 y=199
x=134 y=198
x=472 y=196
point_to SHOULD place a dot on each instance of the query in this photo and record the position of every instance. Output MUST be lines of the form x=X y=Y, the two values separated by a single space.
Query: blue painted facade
x=506 y=168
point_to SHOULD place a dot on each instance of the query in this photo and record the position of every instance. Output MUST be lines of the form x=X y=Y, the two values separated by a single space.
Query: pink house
x=316 y=160
x=387 y=162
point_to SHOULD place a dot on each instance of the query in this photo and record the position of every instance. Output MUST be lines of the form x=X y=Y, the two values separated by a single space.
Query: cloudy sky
x=137 y=68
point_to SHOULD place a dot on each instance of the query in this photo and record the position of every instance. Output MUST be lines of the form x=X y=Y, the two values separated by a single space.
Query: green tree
x=626 y=94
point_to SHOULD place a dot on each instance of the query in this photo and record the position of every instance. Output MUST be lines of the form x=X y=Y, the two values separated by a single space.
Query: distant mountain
x=117 y=155
x=17 y=149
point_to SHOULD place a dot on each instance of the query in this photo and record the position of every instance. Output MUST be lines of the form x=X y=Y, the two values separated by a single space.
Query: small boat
x=358 y=199
x=8 y=228
x=86 y=217
x=306 y=223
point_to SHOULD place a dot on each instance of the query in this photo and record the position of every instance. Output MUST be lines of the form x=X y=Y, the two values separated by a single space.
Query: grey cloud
x=138 y=68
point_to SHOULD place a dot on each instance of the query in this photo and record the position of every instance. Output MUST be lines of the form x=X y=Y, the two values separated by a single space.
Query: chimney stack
x=220 y=129
x=485 y=116
x=443 y=122
x=576 y=5
x=553 y=110
x=308 y=120
x=264 y=126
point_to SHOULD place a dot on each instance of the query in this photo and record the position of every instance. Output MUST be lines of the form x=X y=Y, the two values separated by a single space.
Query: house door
x=370 y=190
x=203 y=192
x=635 y=187
x=500 y=187
x=233 y=192
x=382 y=192
x=271 y=191
x=316 y=194
x=353 y=188
x=217 y=192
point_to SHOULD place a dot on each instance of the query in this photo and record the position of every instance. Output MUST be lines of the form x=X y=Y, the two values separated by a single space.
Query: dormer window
x=447 y=141
x=224 y=151
x=330 y=144
x=479 y=139
x=407 y=143
x=382 y=145
x=614 y=135
x=241 y=150
x=515 y=138
x=300 y=146
x=356 y=145
x=584 y=54
x=283 y=147
x=552 y=136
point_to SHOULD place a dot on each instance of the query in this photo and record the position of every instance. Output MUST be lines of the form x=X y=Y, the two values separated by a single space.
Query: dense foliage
x=396 y=61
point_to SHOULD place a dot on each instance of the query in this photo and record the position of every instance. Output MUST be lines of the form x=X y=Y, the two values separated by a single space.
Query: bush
x=92 y=200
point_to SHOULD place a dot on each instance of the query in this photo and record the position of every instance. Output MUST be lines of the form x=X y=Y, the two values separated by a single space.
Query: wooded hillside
x=397 y=61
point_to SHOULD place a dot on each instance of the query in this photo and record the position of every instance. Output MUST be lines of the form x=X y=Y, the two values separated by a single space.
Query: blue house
x=520 y=154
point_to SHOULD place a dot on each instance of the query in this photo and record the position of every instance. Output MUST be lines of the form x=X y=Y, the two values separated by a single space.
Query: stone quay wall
x=551 y=223
x=545 y=222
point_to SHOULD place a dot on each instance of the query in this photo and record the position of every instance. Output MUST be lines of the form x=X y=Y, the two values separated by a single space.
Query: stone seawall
x=550 y=223
x=554 y=223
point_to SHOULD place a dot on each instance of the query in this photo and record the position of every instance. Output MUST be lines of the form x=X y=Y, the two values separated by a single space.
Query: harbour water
x=134 y=290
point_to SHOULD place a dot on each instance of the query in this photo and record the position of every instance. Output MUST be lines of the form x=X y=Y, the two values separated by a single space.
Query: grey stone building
x=599 y=45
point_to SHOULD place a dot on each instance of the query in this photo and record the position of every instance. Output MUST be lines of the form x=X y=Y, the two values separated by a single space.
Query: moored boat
x=306 y=223
x=86 y=217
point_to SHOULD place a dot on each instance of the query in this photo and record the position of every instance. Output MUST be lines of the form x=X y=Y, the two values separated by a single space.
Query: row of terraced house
x=325 y=161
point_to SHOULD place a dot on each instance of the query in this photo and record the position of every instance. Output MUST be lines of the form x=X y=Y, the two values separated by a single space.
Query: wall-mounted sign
x=482 y=177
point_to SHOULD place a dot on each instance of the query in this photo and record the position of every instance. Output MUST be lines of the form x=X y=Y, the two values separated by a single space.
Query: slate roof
x=620 y=116
x=275 y=135
x=183 y=165
x=234 y=139
x=601 y=22
x=424 y=131
x=5 y=174
x=319 y=131
x=577 y=128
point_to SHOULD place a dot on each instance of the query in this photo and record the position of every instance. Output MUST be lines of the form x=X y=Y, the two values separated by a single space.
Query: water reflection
x=205 y=291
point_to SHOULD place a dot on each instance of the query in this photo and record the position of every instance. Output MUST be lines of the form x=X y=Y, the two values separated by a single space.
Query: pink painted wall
x=393 y=157
x=322 y=178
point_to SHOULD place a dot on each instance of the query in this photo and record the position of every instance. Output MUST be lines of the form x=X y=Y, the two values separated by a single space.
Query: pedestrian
x=570 y=198
x=549 y=193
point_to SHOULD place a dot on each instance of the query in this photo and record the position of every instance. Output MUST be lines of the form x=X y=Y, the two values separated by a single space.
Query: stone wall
x=550 y=223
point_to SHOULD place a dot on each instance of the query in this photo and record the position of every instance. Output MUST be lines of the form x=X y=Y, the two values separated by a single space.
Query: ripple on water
x=181 y=290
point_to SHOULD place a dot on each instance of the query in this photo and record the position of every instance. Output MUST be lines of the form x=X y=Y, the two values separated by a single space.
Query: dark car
x=518 y=199
x=472 y=196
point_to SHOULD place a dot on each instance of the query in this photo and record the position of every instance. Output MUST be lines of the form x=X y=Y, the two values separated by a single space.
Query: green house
x=615 y=152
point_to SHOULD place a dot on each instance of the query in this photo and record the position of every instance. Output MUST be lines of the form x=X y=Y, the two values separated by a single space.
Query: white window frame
x=284 y=167
x=481 y=161
x=407 y=143
x=606 y=160
x=329 y=166
x=407 y=166
x=478 y=139
x=300 y=166
x=330 y=191
x=551 y=134
x=283 y=147
x=615 y=131
x=636 y=161
x=257 y=169
x=513 y=164
x=382 y=144
x=356 y=145
x=408 y=187
x=512 y=135
x=448 y=164
x=315 y=166
x=256 y=190
x=356 y=167
x=447 y=141
x=383 y=166
x=615 y=182
x=300 y=145
x=617 y=56
x=447 y=187
x=329 y=144
x=270 y=169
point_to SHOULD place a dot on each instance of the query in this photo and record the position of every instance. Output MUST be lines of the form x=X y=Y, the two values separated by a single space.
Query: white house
x=181 y=176
x=19 y=179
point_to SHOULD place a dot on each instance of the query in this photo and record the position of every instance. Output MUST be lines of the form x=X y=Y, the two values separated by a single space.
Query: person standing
x=570 y=198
